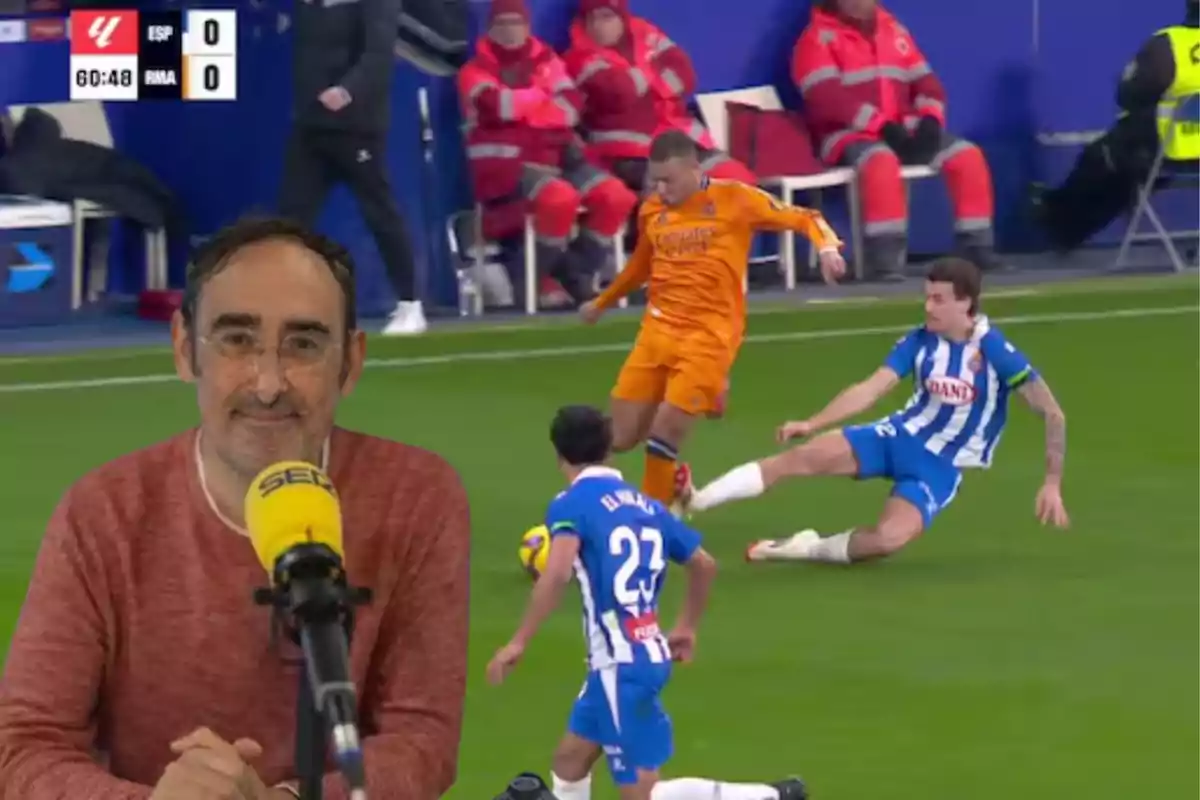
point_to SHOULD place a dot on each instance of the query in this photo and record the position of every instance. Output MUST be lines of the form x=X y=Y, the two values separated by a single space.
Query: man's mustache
x=282 y=406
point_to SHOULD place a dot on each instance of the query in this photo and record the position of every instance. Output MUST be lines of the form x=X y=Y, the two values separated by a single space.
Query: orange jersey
x=694 y=256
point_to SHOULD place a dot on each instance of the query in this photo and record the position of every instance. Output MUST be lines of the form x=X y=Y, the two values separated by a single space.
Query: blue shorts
x=620 y=709
x=885 y=450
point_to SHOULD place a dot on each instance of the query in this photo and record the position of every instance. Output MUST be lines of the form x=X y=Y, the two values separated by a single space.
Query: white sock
x=833 y=549
x=574 y=790
x=703 y=789
x=739 y=483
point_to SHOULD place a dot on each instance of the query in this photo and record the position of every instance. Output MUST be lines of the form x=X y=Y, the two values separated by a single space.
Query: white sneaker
x=797 y=547
x=407 y=320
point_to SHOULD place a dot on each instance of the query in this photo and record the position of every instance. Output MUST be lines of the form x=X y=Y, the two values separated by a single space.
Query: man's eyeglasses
x=298 y=349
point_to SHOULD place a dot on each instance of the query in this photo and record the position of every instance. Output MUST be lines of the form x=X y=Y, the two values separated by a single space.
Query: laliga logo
x=102 y=29
x=951 y=391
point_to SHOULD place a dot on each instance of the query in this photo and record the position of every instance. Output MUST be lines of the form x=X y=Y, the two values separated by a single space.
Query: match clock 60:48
x=112 y=77
x=99 y=78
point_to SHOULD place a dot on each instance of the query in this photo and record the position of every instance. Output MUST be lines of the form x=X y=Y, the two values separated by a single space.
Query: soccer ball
x=534 y=550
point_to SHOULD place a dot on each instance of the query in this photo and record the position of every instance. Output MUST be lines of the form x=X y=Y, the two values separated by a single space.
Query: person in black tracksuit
x=341 y=105
x=1103 y=183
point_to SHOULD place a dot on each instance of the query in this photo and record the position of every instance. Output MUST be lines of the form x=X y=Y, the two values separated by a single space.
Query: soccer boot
x=797 y=547
x=791 y=789
x=528 y=786
x=684 y=489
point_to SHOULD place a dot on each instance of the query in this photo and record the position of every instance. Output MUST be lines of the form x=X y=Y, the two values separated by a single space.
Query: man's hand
x=682 y=642
x=573 y=154
x=335 y=98
x=799 y=429
x=896 y=137
x=1050 y=508
x=590 y=312
x=926 y=141
x=833 y=266
x=209 y=768
x=503 y=662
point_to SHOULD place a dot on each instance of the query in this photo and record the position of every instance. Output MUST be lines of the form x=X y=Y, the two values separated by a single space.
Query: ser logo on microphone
x=291 y=476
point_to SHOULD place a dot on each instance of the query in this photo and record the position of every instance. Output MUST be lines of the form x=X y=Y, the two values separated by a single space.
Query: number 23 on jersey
x=638 y=579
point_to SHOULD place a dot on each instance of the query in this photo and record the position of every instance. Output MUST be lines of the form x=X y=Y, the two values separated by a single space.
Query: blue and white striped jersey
x=626 y=540
x=960 y=403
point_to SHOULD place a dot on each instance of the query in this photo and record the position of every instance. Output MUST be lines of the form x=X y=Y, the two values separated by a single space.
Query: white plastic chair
x=715 y=112
x=471 y=255
x=86 y=121
x=530 y=274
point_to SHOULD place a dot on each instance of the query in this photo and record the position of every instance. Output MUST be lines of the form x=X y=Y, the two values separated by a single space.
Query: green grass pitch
x=993 y=660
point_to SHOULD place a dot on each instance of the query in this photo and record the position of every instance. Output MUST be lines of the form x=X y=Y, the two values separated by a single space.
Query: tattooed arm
x=1049 y=506
x=1039 y=397
x=1020 y=377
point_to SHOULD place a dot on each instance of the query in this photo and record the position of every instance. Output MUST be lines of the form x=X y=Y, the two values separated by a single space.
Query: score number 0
x=211 y=78
x=212 y=55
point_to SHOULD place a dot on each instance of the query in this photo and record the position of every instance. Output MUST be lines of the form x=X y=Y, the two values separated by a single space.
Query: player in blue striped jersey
x=964 y=372
x=617 y=542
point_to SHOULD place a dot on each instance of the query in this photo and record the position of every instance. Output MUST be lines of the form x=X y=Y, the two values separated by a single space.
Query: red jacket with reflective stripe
x=520 y=107
x=855 y=78
x=631 y=99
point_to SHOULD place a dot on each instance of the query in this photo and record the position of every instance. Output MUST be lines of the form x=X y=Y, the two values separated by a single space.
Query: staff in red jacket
x=521 y=109
x=636 y=83
x=873 y=103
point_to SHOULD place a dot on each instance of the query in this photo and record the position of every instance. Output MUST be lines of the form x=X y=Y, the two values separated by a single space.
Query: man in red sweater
x=141 y=668
x=873 y=103
x=521 y=109
x=636 y=83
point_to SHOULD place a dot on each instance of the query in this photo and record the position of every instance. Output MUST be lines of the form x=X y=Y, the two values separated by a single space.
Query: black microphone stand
x=328 y=598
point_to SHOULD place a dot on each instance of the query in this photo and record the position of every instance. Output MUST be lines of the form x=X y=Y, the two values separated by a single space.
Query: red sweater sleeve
x=819 y=78
x=56 y=665
x=419 y=679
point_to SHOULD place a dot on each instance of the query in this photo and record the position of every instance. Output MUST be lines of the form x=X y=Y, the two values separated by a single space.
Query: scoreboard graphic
x=164 y=55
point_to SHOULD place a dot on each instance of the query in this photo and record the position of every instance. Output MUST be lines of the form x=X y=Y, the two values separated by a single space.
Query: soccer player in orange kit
x=693 y=249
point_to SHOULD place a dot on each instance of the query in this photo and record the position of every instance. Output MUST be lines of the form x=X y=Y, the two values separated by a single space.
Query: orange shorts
x=688 y=370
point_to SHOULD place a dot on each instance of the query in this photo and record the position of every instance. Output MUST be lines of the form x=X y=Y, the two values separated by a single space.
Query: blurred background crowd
x=491 y=155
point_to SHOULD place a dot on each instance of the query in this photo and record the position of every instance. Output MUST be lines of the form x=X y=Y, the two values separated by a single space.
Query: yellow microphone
x=294 y=519
x=291 y=504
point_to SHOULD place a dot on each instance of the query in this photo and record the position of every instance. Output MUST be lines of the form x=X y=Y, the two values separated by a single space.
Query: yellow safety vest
x=1181 y=138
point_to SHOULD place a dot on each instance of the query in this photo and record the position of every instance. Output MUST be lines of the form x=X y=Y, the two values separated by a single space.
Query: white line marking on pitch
x=618 y=347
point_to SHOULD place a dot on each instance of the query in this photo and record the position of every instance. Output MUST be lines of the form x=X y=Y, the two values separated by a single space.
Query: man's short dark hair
x=214 y=255
x=582 y=435
x=960 y=273
x=673 y=144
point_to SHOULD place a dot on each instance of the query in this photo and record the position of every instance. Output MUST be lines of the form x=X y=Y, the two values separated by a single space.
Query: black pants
x=317 y=160
x=1103 y=183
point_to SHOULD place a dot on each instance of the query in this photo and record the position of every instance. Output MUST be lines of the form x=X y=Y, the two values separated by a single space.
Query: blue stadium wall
x=1011 y=70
